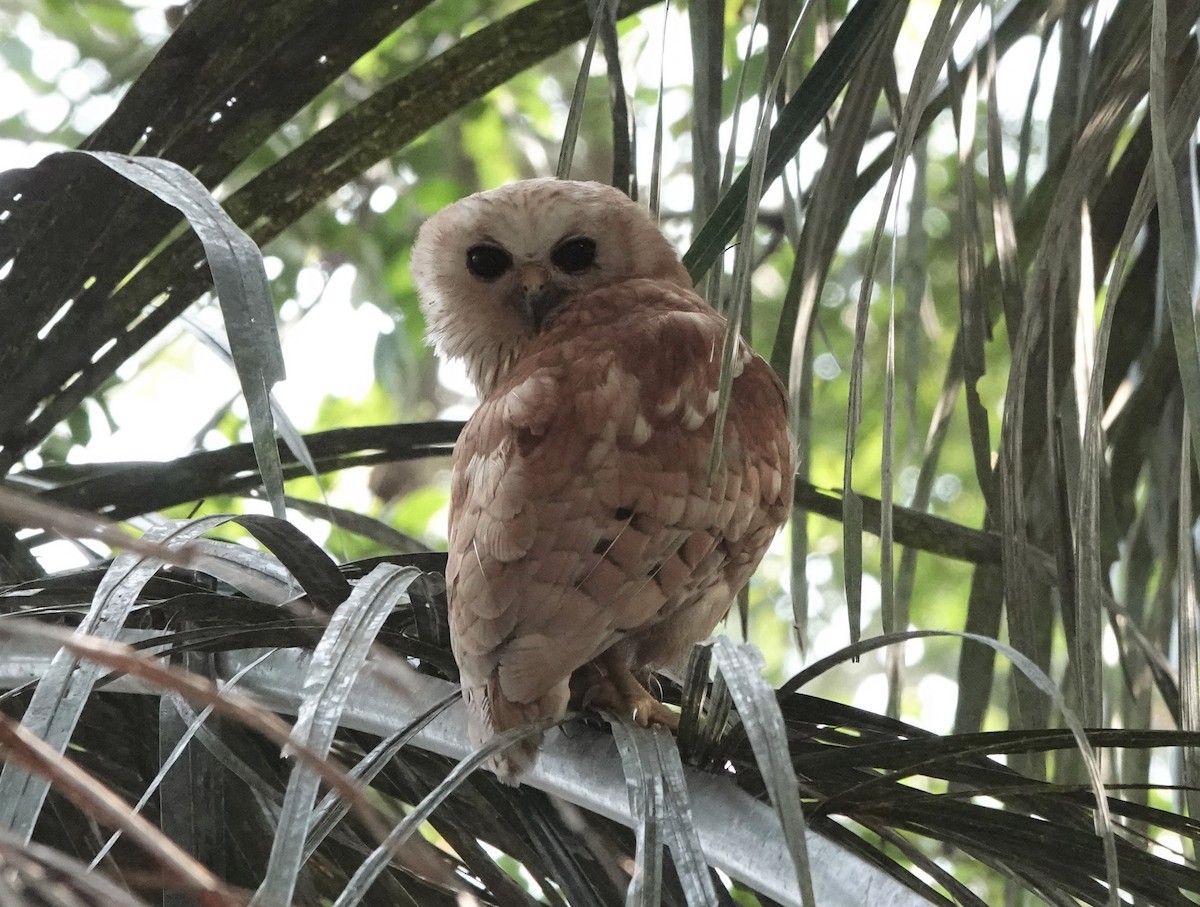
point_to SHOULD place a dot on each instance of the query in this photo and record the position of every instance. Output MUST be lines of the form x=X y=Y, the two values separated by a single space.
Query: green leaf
x=797 y=120
x=336 y=663
x=241 y=285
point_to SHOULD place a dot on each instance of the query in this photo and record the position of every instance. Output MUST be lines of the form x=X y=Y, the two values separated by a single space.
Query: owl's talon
x=652 y=712
x=613 y=687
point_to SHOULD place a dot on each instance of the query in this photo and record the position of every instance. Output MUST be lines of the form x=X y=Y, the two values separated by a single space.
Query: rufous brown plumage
x=585 y=536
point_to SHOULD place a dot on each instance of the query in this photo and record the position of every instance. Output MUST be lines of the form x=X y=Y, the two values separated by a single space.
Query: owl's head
x=494 y=268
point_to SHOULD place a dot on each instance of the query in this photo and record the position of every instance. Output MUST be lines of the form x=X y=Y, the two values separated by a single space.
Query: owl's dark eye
x=488 y=262
x=575 y=255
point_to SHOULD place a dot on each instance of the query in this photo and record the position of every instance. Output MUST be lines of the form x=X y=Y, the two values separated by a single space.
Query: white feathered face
x=493 y=269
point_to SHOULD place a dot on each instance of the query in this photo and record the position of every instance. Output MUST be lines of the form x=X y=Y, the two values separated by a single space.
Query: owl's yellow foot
x=609 y=684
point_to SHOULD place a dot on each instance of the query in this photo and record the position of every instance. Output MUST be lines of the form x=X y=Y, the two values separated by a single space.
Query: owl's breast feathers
x=581 y=515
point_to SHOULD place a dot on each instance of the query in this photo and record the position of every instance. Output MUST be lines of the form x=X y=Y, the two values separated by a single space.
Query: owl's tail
x=490 y=713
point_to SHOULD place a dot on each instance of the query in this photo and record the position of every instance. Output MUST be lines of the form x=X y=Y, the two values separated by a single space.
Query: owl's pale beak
x=539 y=297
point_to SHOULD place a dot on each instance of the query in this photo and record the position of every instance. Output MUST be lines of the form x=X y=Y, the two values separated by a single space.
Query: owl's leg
x=611 y=685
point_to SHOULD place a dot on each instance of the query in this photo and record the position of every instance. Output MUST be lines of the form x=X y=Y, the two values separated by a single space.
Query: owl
x=588 y=543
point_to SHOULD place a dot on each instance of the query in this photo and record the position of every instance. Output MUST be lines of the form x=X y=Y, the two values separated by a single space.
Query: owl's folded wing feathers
x=581 y=514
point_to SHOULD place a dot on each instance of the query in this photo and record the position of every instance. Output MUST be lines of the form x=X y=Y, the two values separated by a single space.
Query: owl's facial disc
x=533 y=283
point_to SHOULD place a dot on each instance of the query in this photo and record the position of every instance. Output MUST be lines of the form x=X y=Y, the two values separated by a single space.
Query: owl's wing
x=581 y=511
